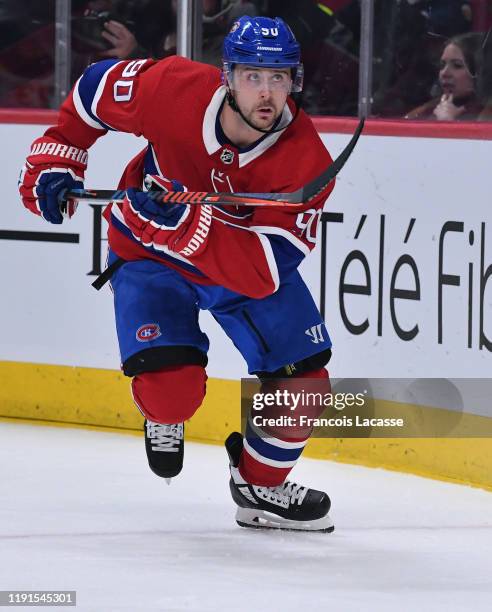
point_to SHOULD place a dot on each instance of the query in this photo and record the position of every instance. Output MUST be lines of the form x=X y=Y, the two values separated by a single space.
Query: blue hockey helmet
x=265 y=43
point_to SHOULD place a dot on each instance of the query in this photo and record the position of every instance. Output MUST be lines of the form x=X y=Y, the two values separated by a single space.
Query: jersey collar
x=209 y=131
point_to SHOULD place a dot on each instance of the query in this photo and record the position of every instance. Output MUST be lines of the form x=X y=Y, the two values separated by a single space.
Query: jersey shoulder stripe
x=89 y=88
x=80 y=109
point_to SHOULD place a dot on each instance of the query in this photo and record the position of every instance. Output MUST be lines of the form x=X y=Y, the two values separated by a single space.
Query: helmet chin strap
x=231 y=100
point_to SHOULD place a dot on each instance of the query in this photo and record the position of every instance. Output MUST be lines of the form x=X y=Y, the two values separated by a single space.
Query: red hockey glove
x=51 y=169
x=182 y=228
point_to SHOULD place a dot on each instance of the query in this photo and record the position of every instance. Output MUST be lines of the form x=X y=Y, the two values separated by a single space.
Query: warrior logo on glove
x=51 y=169
x=180 y=228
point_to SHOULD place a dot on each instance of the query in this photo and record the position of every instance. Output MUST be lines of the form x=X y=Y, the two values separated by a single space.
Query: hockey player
x=236 y=130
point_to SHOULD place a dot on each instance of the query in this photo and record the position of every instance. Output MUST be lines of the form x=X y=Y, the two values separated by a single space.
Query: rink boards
x=410 y=231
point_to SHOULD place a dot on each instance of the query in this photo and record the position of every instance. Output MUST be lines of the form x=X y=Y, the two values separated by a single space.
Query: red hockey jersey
x=175 y=104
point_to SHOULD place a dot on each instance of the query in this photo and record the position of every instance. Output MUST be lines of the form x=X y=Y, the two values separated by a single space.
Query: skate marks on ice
x=81 y=510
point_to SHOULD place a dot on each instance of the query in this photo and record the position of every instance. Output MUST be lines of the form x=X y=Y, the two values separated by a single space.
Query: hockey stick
x=294 y=199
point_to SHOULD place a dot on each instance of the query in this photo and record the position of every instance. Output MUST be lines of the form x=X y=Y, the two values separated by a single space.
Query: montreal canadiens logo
x=149 y=331
x=227 y=156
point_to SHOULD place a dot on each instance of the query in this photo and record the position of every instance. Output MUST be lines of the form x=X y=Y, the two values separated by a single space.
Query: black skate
x=288 y=506
x=165 y=448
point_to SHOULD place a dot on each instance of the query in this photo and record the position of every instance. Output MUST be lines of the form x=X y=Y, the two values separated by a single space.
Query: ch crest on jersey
x=227 y=156
x=148 y=332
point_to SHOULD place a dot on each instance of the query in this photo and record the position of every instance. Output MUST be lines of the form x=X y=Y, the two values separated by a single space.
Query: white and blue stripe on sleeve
x=88 y=90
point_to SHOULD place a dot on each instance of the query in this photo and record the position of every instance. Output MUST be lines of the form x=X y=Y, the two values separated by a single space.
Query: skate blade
x=260 y=519
x=168 y=480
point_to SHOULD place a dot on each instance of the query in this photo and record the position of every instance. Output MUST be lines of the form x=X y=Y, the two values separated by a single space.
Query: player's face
x=454 y=76
x=261 y=93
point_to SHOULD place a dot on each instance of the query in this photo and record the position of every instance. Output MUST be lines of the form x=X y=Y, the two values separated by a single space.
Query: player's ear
x=226 y=75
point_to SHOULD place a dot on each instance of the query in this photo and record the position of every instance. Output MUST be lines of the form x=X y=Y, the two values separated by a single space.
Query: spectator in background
x=446 y=18
x=147 y=28
x=484 y=80
x=481 y=15
x=329 y=50
x=123 y=29
x=459 y=69
x=100 y=28
x=408 y=39
x=218 y=17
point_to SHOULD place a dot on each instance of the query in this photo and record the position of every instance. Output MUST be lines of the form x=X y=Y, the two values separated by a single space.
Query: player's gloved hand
x=51 y=169
x=166 y=225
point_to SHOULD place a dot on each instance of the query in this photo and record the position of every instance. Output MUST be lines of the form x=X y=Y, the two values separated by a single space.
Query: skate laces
x=165 y=438
x=288 y=492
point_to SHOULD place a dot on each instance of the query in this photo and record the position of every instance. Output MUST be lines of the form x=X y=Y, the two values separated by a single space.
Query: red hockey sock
x=267 y=459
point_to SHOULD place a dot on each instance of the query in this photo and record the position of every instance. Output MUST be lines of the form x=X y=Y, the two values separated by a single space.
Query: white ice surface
x=80 y=510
